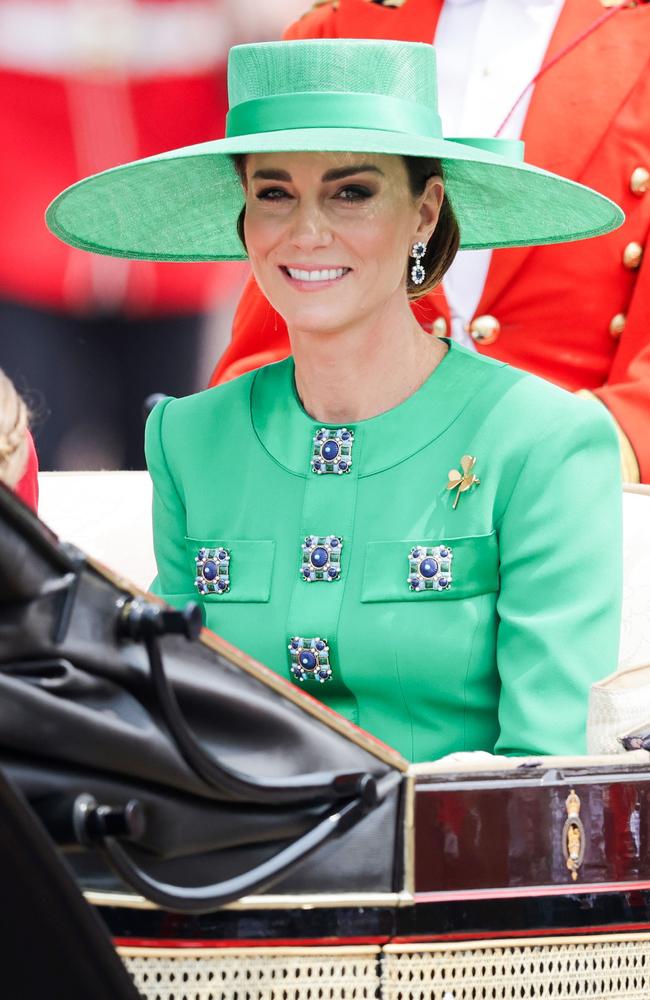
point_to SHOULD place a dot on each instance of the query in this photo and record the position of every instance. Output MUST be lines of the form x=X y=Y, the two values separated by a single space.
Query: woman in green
x=427 y=540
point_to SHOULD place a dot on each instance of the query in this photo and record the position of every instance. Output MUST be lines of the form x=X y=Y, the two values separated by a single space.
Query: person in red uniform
x=83 y=86
x=576 y=314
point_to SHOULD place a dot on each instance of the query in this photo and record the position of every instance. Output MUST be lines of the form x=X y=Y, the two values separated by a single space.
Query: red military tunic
x=577 y=314
x=79 y=94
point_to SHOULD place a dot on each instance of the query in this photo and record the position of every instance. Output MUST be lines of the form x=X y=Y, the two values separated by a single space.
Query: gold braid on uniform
x=334 y=4
x=13 y=432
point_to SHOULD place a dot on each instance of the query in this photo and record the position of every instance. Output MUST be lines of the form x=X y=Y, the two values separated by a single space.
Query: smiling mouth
x=322 y=275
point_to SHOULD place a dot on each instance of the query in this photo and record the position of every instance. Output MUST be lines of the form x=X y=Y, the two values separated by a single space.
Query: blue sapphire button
x=428 y=568
x=330 y=450
x=319 y=556
x=210 y=569
x=309 y=659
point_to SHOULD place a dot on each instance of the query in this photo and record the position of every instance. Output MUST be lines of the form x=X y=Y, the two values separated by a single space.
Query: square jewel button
x=321 y=558
x=332 y=451
x=430 y=567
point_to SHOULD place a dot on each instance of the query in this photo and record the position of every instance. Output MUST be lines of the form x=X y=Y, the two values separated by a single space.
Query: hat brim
x=183 y=205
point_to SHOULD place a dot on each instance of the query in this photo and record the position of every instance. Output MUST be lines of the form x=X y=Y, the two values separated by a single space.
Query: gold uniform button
x=485 y=329
x=640 y=181
x=632 y=256
x=439 y=327
x=617 y=324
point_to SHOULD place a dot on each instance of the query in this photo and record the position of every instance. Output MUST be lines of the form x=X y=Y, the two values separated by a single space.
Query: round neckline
x=286 y=431
x=365 y=421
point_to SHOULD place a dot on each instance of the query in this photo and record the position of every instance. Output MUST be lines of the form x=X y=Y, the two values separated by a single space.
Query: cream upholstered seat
x=635 y=628
x=107 y=514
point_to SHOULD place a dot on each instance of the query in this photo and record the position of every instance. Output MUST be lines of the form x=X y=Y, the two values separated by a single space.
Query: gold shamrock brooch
x=463 y=481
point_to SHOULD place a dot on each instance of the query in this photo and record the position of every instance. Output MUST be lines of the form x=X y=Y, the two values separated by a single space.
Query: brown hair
x=445 y=239
x=13 y=432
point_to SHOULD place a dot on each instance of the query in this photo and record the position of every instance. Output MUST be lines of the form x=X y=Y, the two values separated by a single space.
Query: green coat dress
x=479 y=627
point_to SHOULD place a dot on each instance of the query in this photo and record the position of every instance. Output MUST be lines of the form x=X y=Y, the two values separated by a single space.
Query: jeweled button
x=210 y=570
x=428 y=568
x=307 y=660
x=319 y=557
x=330 y=450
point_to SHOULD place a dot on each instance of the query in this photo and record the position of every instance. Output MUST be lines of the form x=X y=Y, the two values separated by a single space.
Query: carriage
x=237 y=840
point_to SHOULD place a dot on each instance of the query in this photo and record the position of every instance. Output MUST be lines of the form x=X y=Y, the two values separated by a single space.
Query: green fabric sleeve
x=173 y=582
x=561 y=583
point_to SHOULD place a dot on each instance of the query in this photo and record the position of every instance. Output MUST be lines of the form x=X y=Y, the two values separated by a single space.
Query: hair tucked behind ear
x=14 y=419
x=445 y=239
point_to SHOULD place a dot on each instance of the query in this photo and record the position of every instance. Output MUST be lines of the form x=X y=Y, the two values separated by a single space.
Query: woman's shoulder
x=530 y=406
x=225 y=405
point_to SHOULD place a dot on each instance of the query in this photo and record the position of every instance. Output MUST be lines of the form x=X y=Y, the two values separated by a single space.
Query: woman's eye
x=354 y=192
x=272 y=194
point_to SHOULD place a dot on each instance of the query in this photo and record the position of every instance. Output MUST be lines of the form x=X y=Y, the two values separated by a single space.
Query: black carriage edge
x=173 y=771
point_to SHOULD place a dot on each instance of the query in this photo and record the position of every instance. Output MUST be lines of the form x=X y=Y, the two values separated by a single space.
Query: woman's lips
x=314 y=278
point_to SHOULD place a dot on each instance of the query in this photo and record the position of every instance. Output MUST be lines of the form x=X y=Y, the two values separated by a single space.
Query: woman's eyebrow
x=272 y=175
x=340 y=172
x=336 y=174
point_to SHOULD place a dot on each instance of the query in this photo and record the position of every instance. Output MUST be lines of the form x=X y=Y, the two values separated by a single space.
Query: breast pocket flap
x=440 y=569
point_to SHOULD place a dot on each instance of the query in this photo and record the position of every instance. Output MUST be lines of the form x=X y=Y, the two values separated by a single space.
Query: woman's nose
x=310 y=227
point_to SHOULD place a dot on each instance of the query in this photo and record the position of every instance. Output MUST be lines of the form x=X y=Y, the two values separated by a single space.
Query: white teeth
x=328 y=274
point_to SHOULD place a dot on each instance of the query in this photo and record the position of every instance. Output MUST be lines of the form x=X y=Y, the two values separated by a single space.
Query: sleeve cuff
x=629 y=463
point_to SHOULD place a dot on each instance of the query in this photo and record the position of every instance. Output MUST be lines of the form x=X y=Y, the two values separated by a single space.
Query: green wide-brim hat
x=347 y=95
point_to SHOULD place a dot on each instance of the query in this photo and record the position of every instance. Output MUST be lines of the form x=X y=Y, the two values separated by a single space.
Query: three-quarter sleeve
x=173 y=581
x=561 y=583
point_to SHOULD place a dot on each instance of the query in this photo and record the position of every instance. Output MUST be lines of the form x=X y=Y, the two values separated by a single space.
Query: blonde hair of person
x=14 y=418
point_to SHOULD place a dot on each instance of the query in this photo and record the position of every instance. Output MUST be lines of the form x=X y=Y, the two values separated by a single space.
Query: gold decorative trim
x=573 y=835
x=272 y=680
x=340 y=951
x=334 y=4
x=521 y=942
x=314 y=901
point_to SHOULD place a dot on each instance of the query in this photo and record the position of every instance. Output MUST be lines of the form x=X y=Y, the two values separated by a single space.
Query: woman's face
x=329 y=234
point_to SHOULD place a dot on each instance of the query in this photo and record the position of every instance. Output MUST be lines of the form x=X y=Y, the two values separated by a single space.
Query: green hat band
x=330 y=109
